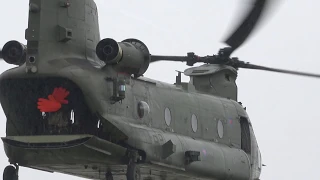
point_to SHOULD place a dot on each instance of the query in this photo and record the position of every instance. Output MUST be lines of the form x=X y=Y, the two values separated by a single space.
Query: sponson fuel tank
x=207 y=159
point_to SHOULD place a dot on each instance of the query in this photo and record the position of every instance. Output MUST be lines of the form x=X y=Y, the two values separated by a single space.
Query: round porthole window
x=194 y=123
x=143 y=109
x=220 y=129
x=167 y=116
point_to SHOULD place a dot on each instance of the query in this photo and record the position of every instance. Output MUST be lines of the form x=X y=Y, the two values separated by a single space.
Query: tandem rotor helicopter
x=79 y=105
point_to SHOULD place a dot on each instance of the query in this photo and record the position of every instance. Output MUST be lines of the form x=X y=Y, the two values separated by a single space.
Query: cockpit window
x=245 y=135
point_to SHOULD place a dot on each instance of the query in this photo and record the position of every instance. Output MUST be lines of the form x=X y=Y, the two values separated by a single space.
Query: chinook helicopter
x=79 y=105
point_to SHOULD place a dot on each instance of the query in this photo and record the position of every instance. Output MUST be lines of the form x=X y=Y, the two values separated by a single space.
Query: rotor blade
x=155 y=58
x=248 y=24
x=190 y=59
x=252 y=66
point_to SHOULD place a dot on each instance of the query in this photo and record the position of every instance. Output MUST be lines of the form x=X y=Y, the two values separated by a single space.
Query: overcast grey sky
x=284 y=109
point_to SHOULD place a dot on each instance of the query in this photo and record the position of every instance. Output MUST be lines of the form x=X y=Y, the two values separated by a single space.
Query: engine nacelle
x=13 y=52
x=130 y=56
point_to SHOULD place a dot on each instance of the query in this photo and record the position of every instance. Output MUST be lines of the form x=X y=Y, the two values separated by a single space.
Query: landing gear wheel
x=10 y=173
x=133 y=172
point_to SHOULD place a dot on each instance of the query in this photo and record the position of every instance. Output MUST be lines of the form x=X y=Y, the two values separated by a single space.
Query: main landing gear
x=11 y=172
x=109 y=175
x=133 y=171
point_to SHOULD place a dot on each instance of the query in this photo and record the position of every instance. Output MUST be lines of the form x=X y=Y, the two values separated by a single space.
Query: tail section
x=62 y=29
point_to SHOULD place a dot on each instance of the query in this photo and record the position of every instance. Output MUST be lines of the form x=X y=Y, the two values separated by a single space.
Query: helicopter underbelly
x=52 y=149
x=79 y=155
x=84 y=156
x=204 y=159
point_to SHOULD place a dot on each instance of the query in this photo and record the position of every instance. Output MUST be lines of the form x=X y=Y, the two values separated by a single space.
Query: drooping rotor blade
x=252 y=66
x=155 y=58
x=190 y=59
x=248 y=24
x=234 y=62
